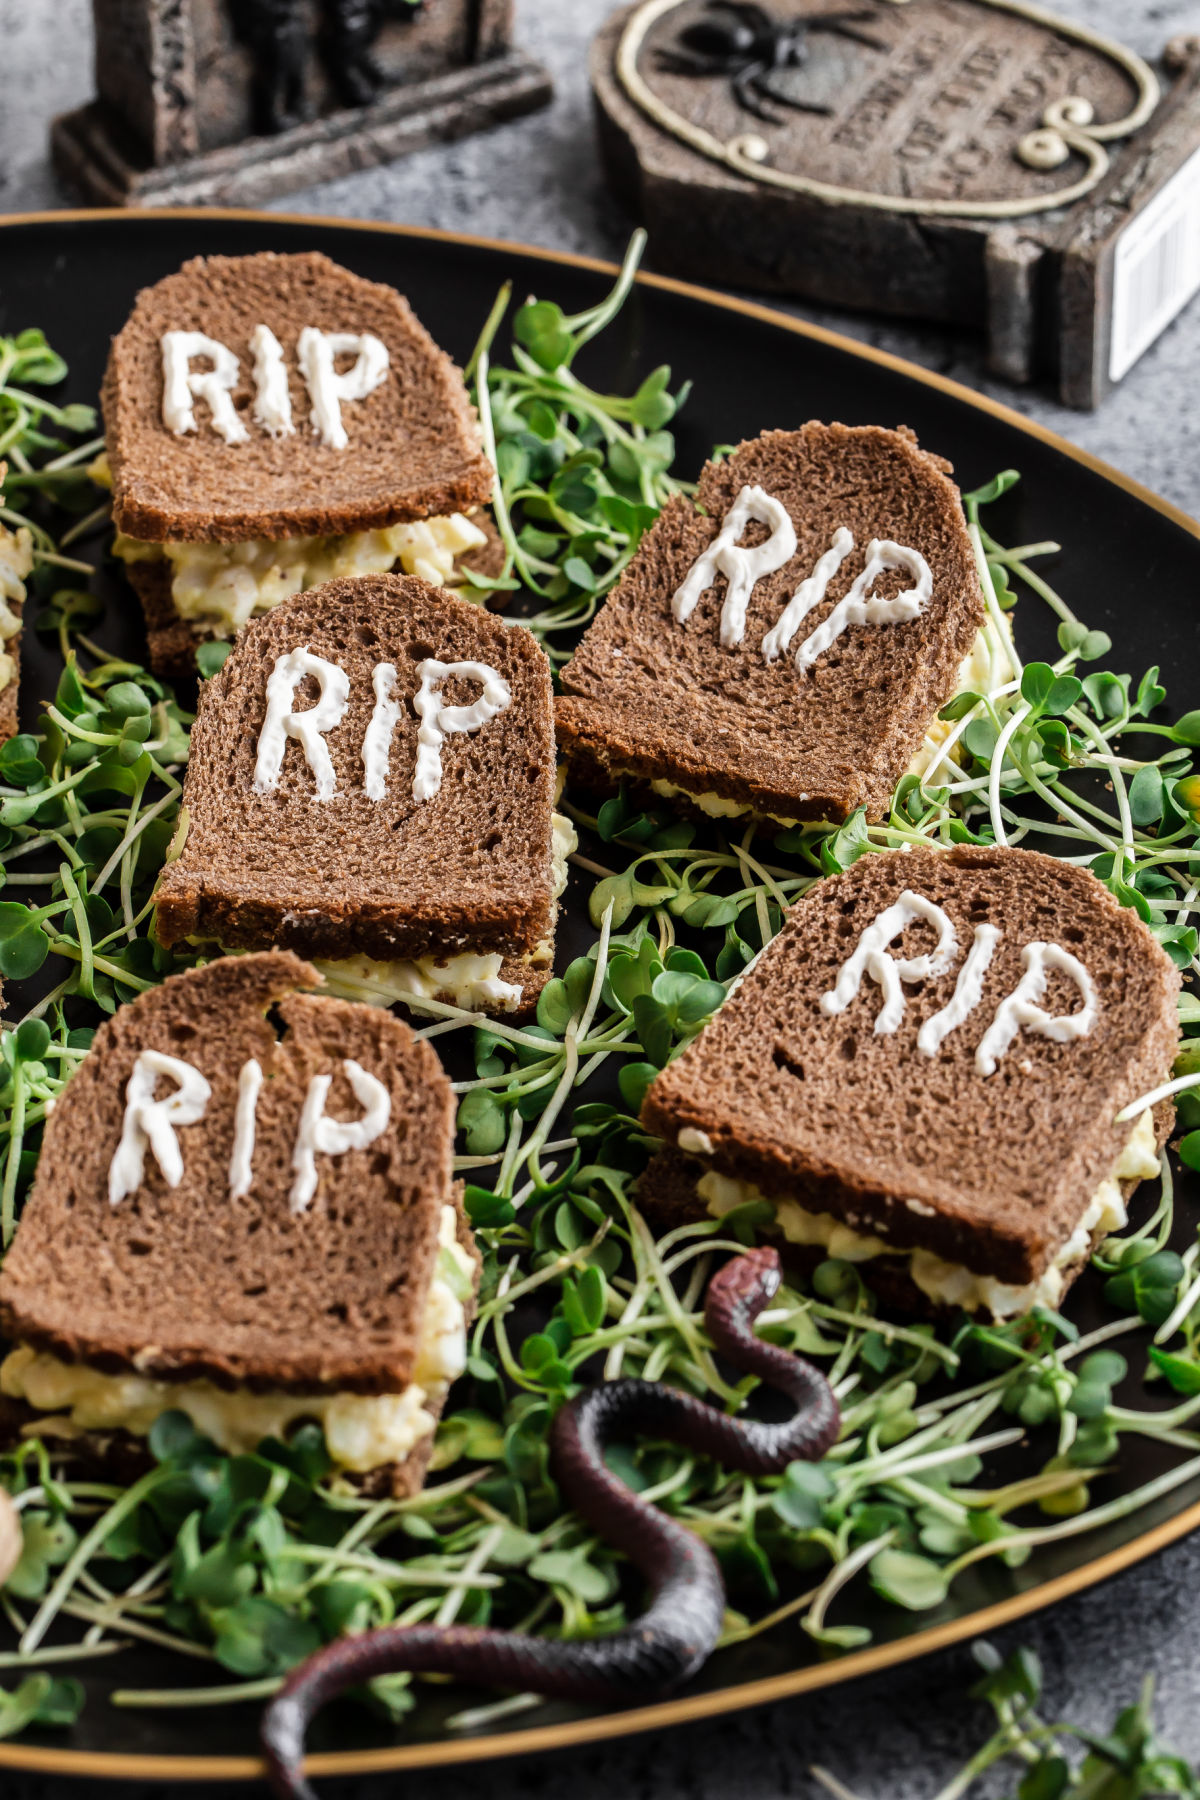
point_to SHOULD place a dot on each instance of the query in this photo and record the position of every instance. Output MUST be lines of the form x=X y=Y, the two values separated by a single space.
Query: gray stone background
x=900 y=1736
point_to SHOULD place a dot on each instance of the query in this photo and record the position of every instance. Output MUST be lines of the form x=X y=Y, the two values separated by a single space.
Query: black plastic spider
x=743 y=41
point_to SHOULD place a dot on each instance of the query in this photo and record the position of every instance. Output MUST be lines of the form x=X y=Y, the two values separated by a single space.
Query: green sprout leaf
x=847 y=844
x=908 y=1580
x=212 y=656
x=1149 y=1288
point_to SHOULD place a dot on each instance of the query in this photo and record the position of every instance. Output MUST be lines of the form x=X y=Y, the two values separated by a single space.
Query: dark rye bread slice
x=415 y=449
x=121 y=1457
x=469 y=870
x=993 y=1173
x=647 y=696
x=186 y=1284
x=667 y=1196
x=172 y=641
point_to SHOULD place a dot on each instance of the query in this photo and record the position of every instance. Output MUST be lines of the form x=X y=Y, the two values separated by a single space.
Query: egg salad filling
x=16 y=565
x=469 y=980
x=221 y=586
x=362 y=1431
x=717 y=806
x=950 y=1284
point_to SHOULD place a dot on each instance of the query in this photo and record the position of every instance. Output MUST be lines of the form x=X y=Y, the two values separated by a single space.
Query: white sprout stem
x=86 y=1548
x=830 y=1783
x=151 y=813
x=876 y=1469
x=1032 y=1536
x=1103 y=755
x=1171 y=1325
x=60 y=1653
x=95 y=1614
x=1180 y=1085
x=1015 y=720
x=472 y=1569
x=472 y=1717
x=995 y=612
x=839 y=1576
x=148 y=1698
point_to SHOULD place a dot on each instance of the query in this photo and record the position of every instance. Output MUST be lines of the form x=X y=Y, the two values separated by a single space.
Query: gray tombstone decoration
x=968 y=161
x=206 y=102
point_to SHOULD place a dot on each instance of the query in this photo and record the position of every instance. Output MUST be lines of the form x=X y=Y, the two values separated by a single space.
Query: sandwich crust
x=469 y=870
x=647 y=697
x=121 y=1457
x=992 y=1173
x=185 y=1283
x=666 y=1194
x=415 y=449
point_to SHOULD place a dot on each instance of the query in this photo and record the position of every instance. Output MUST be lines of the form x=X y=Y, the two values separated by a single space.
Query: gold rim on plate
x=117 y=1766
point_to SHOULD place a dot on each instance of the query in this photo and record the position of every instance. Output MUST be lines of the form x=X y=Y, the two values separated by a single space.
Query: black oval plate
x=1131 y=567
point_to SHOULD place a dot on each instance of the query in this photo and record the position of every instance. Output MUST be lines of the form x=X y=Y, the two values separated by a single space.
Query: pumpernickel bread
x=184 y=1283
x=815 y=1101
x=197 y=1282
x=466 y=871
x=414 y=447
x=667 y=1194
x=654 y=699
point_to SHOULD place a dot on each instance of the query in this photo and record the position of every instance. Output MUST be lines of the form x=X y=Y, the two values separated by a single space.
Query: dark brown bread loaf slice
x=993 y=1173
x=172 y=641
x=469 y=870
x=647 y=696
x=186 y=1283
x=666 y=1195
x=120 y=1457
x=414 y=451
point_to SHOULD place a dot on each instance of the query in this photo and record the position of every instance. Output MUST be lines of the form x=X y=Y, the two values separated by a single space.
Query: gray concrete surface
x=899 y=1736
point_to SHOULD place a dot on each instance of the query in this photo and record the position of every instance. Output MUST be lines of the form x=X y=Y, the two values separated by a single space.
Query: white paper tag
x=1156 y=267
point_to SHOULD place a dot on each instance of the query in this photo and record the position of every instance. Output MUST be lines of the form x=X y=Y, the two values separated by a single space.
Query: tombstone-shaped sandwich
x=780 y=646
x=273 y=422
x=244 y=1210
x=929 y=1073
x=371 y=781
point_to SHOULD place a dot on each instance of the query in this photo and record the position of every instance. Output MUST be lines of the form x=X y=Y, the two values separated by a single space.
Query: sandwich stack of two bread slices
x=371 y=784
x=244 y=1210
x=929 y=1073
x=781 y=646
x=273 y=422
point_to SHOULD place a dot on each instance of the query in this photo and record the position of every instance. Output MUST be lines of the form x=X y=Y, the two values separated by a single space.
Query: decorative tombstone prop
x=233 y=101
x=969 y=161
